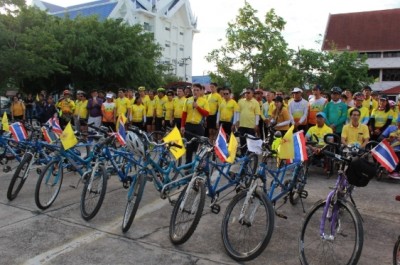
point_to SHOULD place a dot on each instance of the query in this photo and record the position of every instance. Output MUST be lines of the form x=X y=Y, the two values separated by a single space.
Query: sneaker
x=394 y=175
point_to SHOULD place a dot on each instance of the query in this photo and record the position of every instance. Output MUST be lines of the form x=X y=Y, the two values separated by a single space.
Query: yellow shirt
x=319 y=132
x=364 y=117
x=145 y=99
x=193 y=116
x=150 y=106
x=370 y=104
x=178 y=107
x=381 y=117
x=67 y=106
x=131 y=101
x=81 y=109
x=121 y=105
x=248 y=110
x=138 y=112
x=169 y=109
x=18 y=108
x=160 y=106
x=355 y=134
x=214 y=100
x=227 y=110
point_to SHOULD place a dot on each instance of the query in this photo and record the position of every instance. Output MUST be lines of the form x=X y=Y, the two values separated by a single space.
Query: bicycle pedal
x=280 y=215
x=303 y=194
x=215 y=208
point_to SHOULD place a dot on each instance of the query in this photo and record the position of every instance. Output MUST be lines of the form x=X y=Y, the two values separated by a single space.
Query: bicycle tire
x=340 y=249
x=135 y=195
x=294 y=195
x=396 y=252
x=232 y=230
x=51 y=178
x=19 y=177
x=180 y=229
x=92 y=198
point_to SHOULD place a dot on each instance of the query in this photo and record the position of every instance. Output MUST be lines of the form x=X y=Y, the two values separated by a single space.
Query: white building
x=171 y=21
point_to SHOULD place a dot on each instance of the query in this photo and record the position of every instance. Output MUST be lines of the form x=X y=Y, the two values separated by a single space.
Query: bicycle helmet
x=358 y=96
x=336 y=90
x=134 y=144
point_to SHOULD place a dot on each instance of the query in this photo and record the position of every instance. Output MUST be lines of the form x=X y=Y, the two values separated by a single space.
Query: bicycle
x=184 y=208
x=332 y=231
x=396 y=249
x=248 y=222
x=37 y=153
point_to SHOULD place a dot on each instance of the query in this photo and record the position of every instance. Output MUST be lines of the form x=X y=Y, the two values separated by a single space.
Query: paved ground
x=60 y=236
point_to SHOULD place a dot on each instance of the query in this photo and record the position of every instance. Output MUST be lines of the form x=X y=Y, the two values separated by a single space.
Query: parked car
x=5 y=104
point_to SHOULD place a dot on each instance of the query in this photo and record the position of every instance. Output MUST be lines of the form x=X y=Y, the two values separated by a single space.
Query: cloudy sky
x=305 y=20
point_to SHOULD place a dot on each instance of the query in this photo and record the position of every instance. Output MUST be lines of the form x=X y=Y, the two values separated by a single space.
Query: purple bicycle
x=396 y=250
x=332 y=231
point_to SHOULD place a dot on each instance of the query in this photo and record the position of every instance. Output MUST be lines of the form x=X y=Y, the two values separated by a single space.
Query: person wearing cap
x=179 y=101
x=121 y=104
x=143 y=96
x=358 y=99
x=94 y=107
x=66 y=108
x=298 y=110
x=194 y=110
x=369 y=102
x=228 y=112
x=381 y=118
x=161 y=98
x=336 y=111
x=214 y=101
x=319 y=130
x=355 y=133
x=150 y=112
x=108 y=111
x=81 y=112
x=249 y=117
x=315 y=105
x=169 y=110
x=280 y=116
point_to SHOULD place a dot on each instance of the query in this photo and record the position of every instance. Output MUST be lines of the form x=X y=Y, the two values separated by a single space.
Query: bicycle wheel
x=294 y=195
x=343 y=247
x=93 y=192
x=187 y=212
x=49 y=185
x=396 y=253
x=19 y=177
x=135 y=194
x=245 y=238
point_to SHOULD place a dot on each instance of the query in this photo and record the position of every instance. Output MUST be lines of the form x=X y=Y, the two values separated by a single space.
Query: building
x=374 y=33
x=171 y=21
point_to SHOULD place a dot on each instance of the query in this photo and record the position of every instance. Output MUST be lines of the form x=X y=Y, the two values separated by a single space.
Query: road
x=60 y=236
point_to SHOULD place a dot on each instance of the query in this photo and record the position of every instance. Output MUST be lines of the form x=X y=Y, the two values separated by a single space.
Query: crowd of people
x=356 y=118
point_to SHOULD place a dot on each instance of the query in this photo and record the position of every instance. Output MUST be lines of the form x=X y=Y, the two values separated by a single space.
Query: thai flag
x=55 y=125
x=121 y=134
x=18 y=131
x=48 y=135
x=300 y=151
x=385 y=155
x=221 y=146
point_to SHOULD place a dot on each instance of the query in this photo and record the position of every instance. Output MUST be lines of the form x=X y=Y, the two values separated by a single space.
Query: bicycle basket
x=360 y=172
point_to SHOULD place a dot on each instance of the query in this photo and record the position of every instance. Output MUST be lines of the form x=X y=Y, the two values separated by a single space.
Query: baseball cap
x=296 y=89
x=383 y=97
x=109 y=95
x=161 y=89
x=321 y=114
x=141 y=88
x=317 y=87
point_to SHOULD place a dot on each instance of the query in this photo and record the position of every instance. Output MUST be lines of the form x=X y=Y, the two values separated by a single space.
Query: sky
x=305 y=21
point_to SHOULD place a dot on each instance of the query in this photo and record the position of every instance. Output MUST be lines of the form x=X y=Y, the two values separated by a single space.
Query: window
x=181 y=48
x=167 y=28
x=181 y=33
x=374 y=54
x=146 y=26
x=391 y=54
x=391 y=74
x=167 y=44
x=373 y=73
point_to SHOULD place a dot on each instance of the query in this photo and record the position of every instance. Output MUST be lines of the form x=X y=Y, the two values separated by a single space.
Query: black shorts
x=211 y=122
x=158 y=124
x=149 y=120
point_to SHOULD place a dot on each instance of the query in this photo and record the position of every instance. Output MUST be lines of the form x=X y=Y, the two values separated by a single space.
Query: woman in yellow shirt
x=281 y=116
x=138 y=113
x=380 y=119
x=17 y=109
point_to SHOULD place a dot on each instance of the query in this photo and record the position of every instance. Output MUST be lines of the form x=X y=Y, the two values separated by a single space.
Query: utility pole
x=184 y=63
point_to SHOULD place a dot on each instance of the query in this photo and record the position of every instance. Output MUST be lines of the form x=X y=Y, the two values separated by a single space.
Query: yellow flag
x=67 y=137
x=232 y=149
x=4 y=122
x=286 y=148
x=175 y=137
x=122 y=118
x=37 y=97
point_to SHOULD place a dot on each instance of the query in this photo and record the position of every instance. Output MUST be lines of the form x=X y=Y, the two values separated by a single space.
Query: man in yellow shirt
x=214 y=101
x=161 y=98
x=143 y=96
x=194 y=109
x=66 y=107
x=121 y=104
x=228 y=112
x=249 y=116
x=179 y=101
x=369 y=102
x=169 y=110
x=318 y=131
x=150 y=112
x=81 y=112
x=355 y=133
